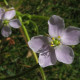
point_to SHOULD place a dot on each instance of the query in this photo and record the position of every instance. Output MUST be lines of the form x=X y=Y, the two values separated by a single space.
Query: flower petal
x=6 y=31
x=1 y=12
x=10 y=13
x=56 y=25
x=47 y=58
x=15 y=23
x=64 y=54
x=37 y=43
x=71 y=36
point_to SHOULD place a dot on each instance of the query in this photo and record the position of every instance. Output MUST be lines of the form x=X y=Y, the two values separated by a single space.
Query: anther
x=52 y=38
x=59 y=37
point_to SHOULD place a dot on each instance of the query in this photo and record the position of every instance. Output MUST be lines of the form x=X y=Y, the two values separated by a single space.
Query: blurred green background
x=15 y=56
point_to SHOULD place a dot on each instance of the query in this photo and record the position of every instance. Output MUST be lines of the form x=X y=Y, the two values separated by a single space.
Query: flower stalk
x=34 y=54
x=34 y=24
x=39 y=17
x=6 y=2
x=33 y=16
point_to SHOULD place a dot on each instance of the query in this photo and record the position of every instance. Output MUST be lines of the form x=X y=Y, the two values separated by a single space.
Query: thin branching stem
x=34 y=24
x=34 y=54
x=6 y=2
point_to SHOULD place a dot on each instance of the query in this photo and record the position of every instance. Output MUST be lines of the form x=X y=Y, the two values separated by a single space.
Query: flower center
x=55 y=41
x=5 y=22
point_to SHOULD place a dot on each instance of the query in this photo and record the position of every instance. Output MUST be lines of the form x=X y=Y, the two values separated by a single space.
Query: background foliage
x=15 y=56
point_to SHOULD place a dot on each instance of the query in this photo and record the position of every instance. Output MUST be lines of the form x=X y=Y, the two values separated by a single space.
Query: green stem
x=24 y=29
x=35 y=56
x=32 y=16
x=27 y=37
x=6 y=2
x=39 y=17
x=34 y=24
x=21 y=74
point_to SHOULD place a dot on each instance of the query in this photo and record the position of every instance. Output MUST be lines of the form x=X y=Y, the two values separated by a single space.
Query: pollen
x=52 y=45
x=59 y=37
x=52 y=38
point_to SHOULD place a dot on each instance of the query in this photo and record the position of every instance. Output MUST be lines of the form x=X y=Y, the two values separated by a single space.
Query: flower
x=7 y=22
x=56 y=47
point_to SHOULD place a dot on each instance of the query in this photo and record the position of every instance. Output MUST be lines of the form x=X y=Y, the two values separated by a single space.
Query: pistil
x=55 y=41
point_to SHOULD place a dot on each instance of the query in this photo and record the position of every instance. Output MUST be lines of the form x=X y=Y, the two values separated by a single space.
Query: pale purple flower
x=55 y=47
x=6 y=16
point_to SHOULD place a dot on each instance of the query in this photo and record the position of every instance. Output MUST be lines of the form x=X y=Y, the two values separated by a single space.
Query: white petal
x=56 y=26
x=64 y=54
x=1 y=12
x=9 y=14
x=6 y=31
x=15 y=23
x=37 y=43
x=47 y=58
x=71 y=36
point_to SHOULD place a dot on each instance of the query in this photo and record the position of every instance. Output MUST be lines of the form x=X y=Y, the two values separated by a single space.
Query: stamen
x=52 y=45
x=59 y=37
x=52 y=42
x=55 y=41
x=52 y=38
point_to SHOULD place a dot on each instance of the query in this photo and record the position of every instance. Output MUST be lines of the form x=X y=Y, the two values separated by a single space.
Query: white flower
x=55 y=47
x=6 y=16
